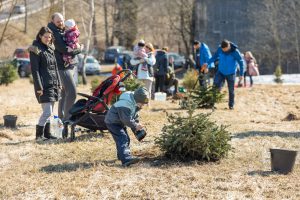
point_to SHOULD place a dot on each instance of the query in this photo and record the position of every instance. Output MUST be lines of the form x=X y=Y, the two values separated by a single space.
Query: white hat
x=70 y=23
x=141 y=41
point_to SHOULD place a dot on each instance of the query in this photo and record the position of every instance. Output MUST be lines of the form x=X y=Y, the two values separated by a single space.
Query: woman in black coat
x=45 y=78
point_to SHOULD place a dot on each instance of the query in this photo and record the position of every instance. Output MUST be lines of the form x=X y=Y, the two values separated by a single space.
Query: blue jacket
x=123 y=112
x=202 y=56
x=228 y=61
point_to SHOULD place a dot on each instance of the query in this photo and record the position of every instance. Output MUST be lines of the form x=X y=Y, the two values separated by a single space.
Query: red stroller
x=90 y=112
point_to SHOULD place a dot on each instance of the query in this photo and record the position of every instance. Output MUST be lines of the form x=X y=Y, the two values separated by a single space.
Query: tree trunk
x=126 y=22
x=106 y=24
x=51 y=9
x=25 y=27
x=92 y=11
x=8 y=19
x=296 y=35
x=63 y=8
x=94 y=29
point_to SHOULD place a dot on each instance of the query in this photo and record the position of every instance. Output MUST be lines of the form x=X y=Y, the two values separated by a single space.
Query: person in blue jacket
x=229 y=59
x=125 y=113
x=202 y=55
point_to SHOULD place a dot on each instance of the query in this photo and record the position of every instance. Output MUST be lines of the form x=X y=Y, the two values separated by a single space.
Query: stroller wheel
x=65 y=131
x=72 y=133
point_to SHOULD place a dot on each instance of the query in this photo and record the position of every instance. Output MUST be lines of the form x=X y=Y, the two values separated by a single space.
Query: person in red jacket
x=116 y=69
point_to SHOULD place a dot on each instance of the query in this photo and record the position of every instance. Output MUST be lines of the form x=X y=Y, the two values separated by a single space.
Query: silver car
x=179 y=60
x=92 y=66
x=19 y=9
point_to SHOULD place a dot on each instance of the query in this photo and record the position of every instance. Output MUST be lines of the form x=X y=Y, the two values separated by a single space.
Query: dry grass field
x=88 y=169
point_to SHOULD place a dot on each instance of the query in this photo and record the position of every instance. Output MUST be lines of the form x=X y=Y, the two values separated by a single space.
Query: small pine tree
x=278 y=74
x=94 y=84
x=131 y=84
x=193 y=138
x=189 y=80
x=205 y=97
x=8 y=73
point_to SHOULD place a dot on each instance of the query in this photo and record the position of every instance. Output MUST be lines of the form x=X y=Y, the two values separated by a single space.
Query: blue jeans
x=219 y=81
x=122 y=141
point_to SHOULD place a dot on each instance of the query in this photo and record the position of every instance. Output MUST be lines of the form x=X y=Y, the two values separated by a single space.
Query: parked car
x=19 y=9
x=112 y=53
x=92 y=66
x=24 y=67
x=124 y=59
x=21 y=52
x=179 y=60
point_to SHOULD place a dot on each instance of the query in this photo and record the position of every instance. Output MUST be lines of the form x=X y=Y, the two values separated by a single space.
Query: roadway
x=33 y=6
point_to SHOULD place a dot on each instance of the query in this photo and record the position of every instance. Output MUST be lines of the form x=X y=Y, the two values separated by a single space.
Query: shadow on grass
x=18 y=126
x=162 y=161
x=164 y=109
x=78 y=138
x=86 y=136
x=146 y=162
x=262 y=173
x=266 y=134
x=70 y=167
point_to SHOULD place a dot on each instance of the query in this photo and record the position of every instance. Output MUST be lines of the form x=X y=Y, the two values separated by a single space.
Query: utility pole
x=25 y=27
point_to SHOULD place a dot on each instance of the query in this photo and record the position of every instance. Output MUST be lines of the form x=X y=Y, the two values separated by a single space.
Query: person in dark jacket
x=202 y=55
x=170 y=81
x=229 y=59
x=161 y=69
x=68 y=93
x=124 y=113
x=45 y=79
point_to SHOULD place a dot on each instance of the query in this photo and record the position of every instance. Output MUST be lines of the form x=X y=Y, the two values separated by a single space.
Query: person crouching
x=124 y=113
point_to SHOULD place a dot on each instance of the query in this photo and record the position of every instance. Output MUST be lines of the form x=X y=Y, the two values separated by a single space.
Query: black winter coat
x=161 y=63
x=44 y=72
x=60 y=46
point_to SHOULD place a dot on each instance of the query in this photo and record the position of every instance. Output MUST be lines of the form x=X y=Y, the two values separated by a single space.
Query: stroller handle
x=94 y=98
x=84 y=95
x=127 y=72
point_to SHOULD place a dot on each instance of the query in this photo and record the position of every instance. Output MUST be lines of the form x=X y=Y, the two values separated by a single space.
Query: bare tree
x=274 y=9
x=63 y=8
x=7 y=22
x=26 y=10
x=296 y=34
x=88 y=40
x=126 y=22
x=106 y=23
x=51 y=9
x=94 y=29
x=180 y=19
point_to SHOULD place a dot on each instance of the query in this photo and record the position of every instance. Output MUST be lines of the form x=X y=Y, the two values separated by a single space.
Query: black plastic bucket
x=10 y=121
x=282 y=160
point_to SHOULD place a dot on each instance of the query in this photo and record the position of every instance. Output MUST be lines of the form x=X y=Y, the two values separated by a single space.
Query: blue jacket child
x=124 y=113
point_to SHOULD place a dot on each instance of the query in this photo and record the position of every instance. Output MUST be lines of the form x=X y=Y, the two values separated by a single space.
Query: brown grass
x=88 y=169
